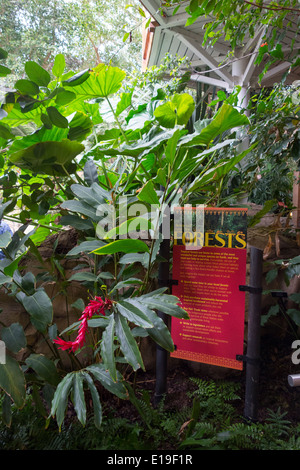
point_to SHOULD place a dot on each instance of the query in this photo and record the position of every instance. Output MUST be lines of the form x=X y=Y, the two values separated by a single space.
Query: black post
x=161 y=353
x=253 y=345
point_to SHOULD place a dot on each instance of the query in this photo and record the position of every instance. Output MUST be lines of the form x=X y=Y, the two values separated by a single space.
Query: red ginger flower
x=94 y=307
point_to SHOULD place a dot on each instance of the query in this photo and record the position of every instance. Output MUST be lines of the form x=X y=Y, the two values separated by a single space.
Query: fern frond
x=242 y=436
x=277 y=423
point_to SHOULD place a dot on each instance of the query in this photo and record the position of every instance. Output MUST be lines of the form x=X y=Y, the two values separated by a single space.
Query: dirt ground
x=274 y=390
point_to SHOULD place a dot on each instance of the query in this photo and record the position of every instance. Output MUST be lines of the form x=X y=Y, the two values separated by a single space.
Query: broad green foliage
x=12 y=381
x=177 y=110
x=275 y=126
x=50 y=158
x=71 y=158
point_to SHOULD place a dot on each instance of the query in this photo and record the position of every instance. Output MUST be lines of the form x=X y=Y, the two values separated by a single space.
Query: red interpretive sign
x=208 y=287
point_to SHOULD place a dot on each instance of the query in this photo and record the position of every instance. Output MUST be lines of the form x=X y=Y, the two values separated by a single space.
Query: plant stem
x=146 y=279
x=95 y=273
x=117 y=121
x=36 y=224
x=15 y=282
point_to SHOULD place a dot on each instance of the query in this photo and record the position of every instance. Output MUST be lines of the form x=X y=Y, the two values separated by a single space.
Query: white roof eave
x=173 y=37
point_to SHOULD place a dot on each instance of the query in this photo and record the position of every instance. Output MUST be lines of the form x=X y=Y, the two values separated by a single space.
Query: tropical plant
x=76 y=152
x=269 y=172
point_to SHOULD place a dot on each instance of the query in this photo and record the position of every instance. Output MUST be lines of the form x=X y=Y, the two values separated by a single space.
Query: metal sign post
x=252 y=358
x=161 y=353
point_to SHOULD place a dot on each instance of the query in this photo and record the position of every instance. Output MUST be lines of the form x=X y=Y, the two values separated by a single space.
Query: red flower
x=94 y=307
x=264 y=44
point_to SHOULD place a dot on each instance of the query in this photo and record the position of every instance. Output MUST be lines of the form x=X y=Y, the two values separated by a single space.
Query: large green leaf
x=103 y=81
x=64 y=97
x=135 y=313
x=226 y=118
x=37 y=74
x=12 y=381
x=83 y=276
x=6 y=410
x=80 y=126
x=3 y=53
x=141 y=147
x=82 y=208
x=14 y=337
x=27 y=87
x=5 y=132
x=108 y=348
x=93 y=195
x=4 y=71
x=5 y=239
x=107 y=79
x=78 y=78
x=177 y=110
x=86 y=247
x=127 y=283
x=9 y=267
x=165 y=303
x=50 y=158
x=78 y=397
x=43 y=135
x=16 y=117
x=43 y=367
x=90 y=172
x=40 y=309
x=122 y=246
x=60 y=399
x=77 y=222
x=96 y=400
x=128 y=344
x=171 y=147
x=123 y=103
x=160 y=332
x=148 y=194
x=28 y=283
x=226 y=165
x=57 y=118
x=130 y=258
x=59 y=65
x=5 y=279
x=100 y=373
